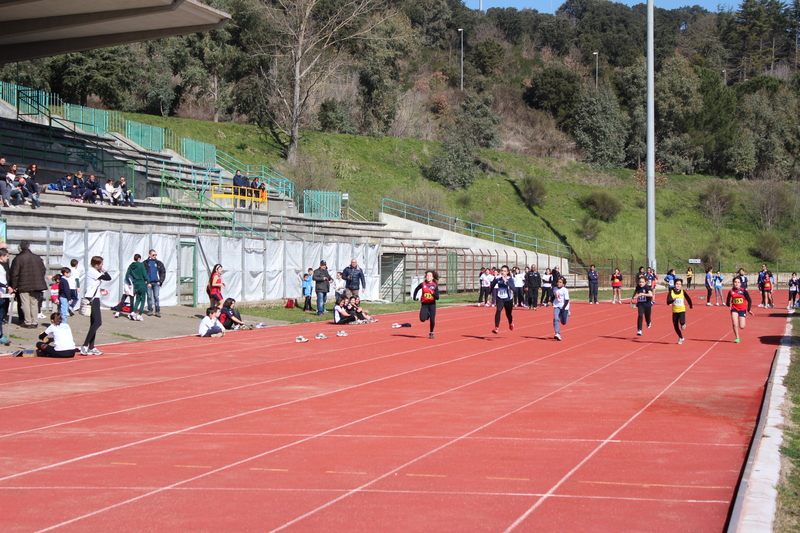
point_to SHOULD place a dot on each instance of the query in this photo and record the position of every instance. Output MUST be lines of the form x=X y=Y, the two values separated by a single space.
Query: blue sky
x=548 y=6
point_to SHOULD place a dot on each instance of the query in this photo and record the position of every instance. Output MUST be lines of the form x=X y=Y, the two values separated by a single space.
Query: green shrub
x=602 y=204
x=589 y=228
x=711 y=255
x=463 y=199
x=533 y=191
x=426 y=196
x=476 y=217
x=767 y=247
x=334 y=118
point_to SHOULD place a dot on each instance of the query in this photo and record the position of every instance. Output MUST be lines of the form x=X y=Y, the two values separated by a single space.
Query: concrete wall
x=451 y=239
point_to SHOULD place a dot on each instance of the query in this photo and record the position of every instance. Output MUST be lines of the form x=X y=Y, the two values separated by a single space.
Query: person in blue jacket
x=594 y=282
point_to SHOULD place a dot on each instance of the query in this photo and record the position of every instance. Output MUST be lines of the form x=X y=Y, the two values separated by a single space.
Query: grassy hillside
x=371 y=169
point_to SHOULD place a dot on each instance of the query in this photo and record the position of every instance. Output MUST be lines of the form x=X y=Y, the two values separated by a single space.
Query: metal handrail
x=458 y=225
x=204 y=204
x=273 y=180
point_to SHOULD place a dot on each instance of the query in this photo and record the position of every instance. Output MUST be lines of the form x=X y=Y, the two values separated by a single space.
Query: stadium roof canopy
x=43 y=28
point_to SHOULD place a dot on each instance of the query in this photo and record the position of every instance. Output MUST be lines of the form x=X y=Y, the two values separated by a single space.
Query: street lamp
x=461 y=31
x=596 y=65
x=725 y=75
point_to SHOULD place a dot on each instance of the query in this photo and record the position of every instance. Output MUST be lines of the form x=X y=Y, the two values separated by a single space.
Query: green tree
x=107 y=72
x=713 y=126
x=599 y=128
x=678 y=100
x=487 y=56
x=555 y=89
x=771 y=121
x=632 y=85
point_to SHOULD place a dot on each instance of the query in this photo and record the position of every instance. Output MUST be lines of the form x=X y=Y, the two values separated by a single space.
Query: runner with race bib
x=678 y=299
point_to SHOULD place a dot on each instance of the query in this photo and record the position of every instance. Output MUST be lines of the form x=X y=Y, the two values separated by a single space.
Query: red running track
x=387 y=430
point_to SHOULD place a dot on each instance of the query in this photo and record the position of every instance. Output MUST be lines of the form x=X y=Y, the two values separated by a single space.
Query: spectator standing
x=137 y=275
x=64 y=293
x=354 y=279
x=339 y=286
x=215 y=285
x=28 y=279
x=5 y=290
x=533 y=282
x=322 y=287
x=594 y=284
x=239 y=189
x=95 y=276
x=156 y=274
x=124 y=193
x=258 y=189
x=74 y=283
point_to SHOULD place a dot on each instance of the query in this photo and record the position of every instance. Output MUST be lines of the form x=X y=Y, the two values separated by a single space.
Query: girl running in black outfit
x=504 y=284
x=430 y=293
x=643 y=299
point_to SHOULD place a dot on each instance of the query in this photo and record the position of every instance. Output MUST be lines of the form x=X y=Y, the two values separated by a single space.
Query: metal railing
x=322 y=204
x=466 y=227
x=36 y=103
x=208 y=213
x=268 y=177
x=240 y=194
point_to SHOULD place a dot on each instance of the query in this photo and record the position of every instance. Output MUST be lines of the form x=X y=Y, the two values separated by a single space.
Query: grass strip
x=788 y=512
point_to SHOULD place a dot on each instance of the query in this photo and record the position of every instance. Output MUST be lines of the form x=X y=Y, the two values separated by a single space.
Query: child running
x=616 y=286
x=643 y=299
x=678 y=298
x=794 y=284
x=560 y=307
x=736 y=301
x=486 y=282
x=504 y=284
x=430 y=293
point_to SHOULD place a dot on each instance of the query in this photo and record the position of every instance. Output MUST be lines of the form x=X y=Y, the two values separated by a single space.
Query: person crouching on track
x=737 y=297
x=560 y=307
x=643 y=299
x=504 y=286
x=60 y=334
x=430 y=293
x=340 y=313
x=678 y=298
x=210 y=326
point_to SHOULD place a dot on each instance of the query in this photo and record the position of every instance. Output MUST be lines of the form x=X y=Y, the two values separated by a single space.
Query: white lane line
x=594 y=452
x=131 y=500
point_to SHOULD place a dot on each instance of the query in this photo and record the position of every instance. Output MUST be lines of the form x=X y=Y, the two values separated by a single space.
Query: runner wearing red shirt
x=739 y=301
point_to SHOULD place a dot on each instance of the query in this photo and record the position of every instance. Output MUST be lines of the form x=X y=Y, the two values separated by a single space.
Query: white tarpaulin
x=117 y=250
x=253 y=269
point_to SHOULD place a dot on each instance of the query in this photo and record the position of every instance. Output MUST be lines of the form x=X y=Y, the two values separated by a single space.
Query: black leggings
x=643 y=311
x=532 y=296
x=709 y=290
x=345 y=320
x=547 y=295
x=46 y=350
x=678 y=320
x=508 y=305
x=519 y=296
x=483 y=296
x=428 y=312
x=95 y=321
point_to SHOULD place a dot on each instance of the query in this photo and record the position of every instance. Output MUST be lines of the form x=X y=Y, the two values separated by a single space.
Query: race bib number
x=427 y=297
x=502 y=294
x=677 y=302
x=737 y=301
x=642 y=298
x=793 y=288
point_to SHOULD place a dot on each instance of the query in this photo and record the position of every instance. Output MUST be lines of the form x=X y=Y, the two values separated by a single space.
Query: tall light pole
x=461 y=31
x=651 y=140
x=596 y=67
x=725 y=75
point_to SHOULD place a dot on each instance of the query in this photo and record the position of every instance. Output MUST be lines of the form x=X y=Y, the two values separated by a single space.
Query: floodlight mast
x=651 y=142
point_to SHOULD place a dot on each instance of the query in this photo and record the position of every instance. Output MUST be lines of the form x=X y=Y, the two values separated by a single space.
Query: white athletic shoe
x=320 y=336
x=709 y=303
x=396 y=325
x=639 y=332
x=683 y=326
x=300 y=338
x=341 y=333
x=557 y=337
x=680 y=341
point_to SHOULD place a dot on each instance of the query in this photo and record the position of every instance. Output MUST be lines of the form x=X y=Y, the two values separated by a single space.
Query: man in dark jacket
x=322 y=286
x=354 y=279
x=156 y=274
x=239 y=188
x=28 y=279
x=533 y=282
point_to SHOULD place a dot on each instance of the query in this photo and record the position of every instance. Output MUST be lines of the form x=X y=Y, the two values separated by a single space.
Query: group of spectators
x=91 y=191
x=18 y=186
x=243 y=186
x=348 y=284
x=530 y=288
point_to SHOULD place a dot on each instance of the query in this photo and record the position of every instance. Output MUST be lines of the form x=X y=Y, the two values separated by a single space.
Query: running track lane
x=469 y=432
